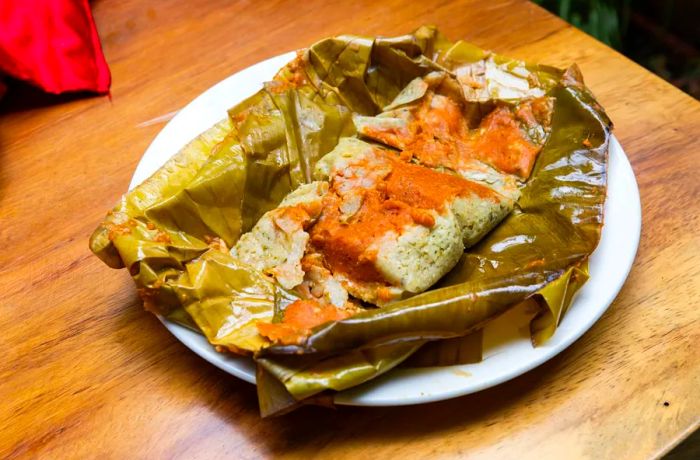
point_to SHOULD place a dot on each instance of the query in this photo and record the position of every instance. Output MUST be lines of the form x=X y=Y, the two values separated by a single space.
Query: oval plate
x=508 y=352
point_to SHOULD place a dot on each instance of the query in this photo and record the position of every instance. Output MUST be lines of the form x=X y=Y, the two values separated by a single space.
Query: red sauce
x=440 y=136
x=162 y=237
x=394 y=136
x=344 y=245
x=426 y=188
x=437 y=130
x=502 y=144
x=298 y=320
x=124 y=228
x=406 y=196
x=297 y=214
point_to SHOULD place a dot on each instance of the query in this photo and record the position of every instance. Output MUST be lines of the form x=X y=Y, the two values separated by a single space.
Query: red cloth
x=52 y=44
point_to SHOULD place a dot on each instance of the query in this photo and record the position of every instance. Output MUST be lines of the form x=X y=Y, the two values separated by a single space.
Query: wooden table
x=87 y=373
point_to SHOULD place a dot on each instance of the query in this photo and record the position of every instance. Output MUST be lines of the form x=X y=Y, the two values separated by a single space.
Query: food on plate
x=375 y=227
x=432 y=126
x=378 y=198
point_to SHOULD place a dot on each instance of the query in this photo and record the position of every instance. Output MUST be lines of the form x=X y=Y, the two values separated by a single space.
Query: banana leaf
x=173 y=231
x=303 y=376
x=204 y=197
x=281 y=136
x=367 y=74
x=449 y=352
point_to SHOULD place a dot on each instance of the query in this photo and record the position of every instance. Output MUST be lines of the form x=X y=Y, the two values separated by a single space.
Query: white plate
x=507 y=352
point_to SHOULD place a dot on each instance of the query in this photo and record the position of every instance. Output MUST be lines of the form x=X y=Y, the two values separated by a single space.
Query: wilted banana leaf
x=153 y=254
x=304 y=376
x=172 y=177
x=173 y=231
x=367 y=74
x=225 y=299
x=449 y=352
x=555 y=299
x=285 y=382
x=170 y=231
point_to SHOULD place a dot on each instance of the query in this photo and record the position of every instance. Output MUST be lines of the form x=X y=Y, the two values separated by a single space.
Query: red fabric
x=52 y=44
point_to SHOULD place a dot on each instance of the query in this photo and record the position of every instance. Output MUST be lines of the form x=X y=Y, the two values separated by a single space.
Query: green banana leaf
x=304 y=377
x=367 y=74
x=217 y=187
x=449 y=352
x=173 y=231
x=282 y=135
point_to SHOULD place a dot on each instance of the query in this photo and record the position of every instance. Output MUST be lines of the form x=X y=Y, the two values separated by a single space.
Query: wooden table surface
x=87 y=373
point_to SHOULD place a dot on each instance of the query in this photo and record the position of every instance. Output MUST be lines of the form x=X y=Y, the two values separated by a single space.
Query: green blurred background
x=661 y=35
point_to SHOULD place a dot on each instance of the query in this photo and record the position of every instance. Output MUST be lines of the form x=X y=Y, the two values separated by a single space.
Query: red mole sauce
x=439 y=136
x=403 y=197
x=502 y=144
x=299 y=318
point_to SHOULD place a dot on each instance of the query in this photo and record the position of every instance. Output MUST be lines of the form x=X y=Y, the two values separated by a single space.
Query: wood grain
x=87 y=373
